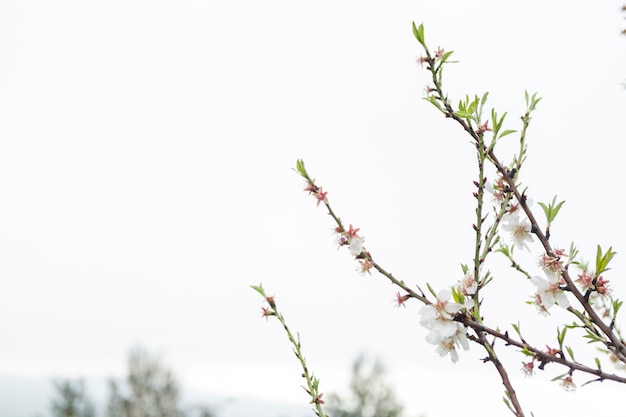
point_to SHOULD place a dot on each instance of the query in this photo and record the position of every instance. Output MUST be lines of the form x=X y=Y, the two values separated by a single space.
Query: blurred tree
x=370 y=396
x=72 y=400
x=151 y=391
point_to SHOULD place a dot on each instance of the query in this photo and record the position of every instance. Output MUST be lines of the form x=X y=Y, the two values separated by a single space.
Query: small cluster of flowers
x=588 y=282
x=423 y=59
x=550 y=288
x=317 y=192
x=348 y=237
x=549 y=292
x=528 y=368
x=444 y=332
x=468 y=286
x=552 y=264
x=567 y=383
x=354 y=242
x=518 y=226
x=269 y=311
x=513 y=222
x=498 y=189
x=438 y=55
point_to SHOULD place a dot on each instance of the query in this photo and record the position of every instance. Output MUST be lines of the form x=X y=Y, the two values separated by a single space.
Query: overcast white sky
x=146 y=150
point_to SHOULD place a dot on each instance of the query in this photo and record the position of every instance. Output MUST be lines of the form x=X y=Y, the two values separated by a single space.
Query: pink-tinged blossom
x=528 y=368
x=514 y=211
x=551 y=264
x=548 y=291
x=401 y=299
x=536 y=300
x=588 y=281
x=520 y=229
x=311 y=188
x=602 y=286
x=352 y=232
x=469 y=286
x=342 y=241
x=366 y=265
x=585 y=280
x=567 y=384
x=267 y=312
x=321 y=196
x=496 y=189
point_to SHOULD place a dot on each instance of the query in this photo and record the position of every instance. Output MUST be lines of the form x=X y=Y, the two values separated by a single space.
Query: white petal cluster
x=445 y=333
x=519 y=228
x=356 y=246
x=549 y=292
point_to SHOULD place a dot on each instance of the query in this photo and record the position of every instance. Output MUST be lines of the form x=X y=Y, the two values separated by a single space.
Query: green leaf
x=507 y=132
x=527 y=352
x=504 y=249
x=484 y=99
x=258 y=289
x=301 y=170
x=555 y=209
x=418 y=32
x=501 y=120
x=551 y=210
x=435 y=103
x=560 y=336
x=457 y=296
x=463 y=105
x=617 y=304
x=445 y=57
x=432 y=291
x=464 y=115
x=517 y=329
x=592 y=337
x=602 y=260
x=531 y=102
x=508 y=404
x=559 y=377
x=573 y=252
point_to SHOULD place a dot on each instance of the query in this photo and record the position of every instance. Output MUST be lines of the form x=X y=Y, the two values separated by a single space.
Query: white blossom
x=356 y=246
x=519 y=228
x=549 y=292
x=445 y=333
